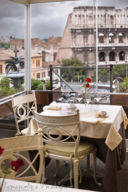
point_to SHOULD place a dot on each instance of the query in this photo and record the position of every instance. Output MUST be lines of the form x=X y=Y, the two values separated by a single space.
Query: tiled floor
x=88 y=182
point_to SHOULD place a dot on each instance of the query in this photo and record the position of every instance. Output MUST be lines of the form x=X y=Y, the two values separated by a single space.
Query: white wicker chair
x=61 y=138
x=17 y=147
x=23 y=107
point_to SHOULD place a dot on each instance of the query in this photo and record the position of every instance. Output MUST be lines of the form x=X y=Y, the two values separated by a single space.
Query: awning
x=26 y=2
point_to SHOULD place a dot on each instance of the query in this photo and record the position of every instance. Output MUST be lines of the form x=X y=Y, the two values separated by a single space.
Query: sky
x=48 y=19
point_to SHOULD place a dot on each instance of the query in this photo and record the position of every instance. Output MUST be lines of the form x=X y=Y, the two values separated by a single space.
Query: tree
x=124 y=85
x=119 y=71
x=72 y=73
x=103 y=75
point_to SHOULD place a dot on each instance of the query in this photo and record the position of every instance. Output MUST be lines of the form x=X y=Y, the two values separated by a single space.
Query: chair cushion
x=24 y=131
x=84 y=148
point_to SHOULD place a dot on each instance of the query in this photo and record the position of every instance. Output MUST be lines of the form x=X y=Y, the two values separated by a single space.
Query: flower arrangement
x=87 y=85
x=1 y=150
x=14 y=166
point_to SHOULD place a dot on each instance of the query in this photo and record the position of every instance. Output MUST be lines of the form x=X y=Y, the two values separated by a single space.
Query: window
x=112 y=56
x=37 y=63
x=111 y=20
x=122 y=56
x=54 y=56
x=43 y=74
x=38 y=75
x=111 y=38
x=102 y=56
x=1 y=67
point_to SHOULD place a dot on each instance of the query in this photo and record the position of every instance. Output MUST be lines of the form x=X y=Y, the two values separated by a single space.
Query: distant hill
x=45 y=40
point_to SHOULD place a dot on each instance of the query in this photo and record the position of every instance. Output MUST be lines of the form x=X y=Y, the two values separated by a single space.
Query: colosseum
x=79 y=38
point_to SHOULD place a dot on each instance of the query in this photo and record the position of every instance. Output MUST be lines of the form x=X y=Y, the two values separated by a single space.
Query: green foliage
x=124 y=85
x=5 y=83
x=5 y=87
x=103 y=75
x=4 y=45
x=119 y=71
x=36 y=84
x=4 y=91
x=73 y=61
x=47 y=83
x=12 y=91
x=72 y=74
x=40 y=87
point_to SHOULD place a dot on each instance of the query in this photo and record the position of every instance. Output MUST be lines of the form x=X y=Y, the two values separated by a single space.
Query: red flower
x=87 y=85
x=17 y=164
x=88 y=80
x=1 y=150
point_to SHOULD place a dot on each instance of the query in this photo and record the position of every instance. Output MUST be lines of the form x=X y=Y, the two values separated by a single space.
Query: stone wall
x=79 y=38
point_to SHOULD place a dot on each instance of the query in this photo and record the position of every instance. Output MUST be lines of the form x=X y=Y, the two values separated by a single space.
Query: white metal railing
x=9 y=98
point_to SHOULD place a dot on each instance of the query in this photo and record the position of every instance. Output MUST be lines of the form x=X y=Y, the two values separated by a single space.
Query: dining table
x=102 y=125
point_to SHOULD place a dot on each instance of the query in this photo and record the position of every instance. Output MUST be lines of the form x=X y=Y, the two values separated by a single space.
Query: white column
x=96 y=45
x=28 y=50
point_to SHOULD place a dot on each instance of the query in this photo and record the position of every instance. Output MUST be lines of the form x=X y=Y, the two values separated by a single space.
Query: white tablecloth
x=21 y=186
x=90 y=125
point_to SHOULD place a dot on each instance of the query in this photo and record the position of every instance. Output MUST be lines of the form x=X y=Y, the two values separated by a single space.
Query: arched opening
x=111 y=38
x=101 y=56
x=121 y=56
x=101 y=38
x=112 y=56
x=121 y=37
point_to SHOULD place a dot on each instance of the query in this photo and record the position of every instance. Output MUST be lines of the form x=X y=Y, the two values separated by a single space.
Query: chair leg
x=76 y=166
x=57 y=168
x=94 y=169
x=88 y=165
x=43 y=174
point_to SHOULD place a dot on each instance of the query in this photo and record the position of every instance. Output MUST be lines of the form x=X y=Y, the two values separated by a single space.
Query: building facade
x=79 y=38
x=41 y=57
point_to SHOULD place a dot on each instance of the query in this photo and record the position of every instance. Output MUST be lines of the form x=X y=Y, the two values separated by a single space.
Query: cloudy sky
x=47 y=19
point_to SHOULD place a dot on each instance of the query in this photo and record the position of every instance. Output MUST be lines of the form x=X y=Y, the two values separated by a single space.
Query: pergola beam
x=27 y=2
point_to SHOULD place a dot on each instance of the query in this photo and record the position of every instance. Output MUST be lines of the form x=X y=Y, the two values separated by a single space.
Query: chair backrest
x=23 y=107
x=59 y=130
x=15 y=148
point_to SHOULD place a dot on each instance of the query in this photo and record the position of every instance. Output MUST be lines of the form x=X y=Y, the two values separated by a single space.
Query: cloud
x=48 y=19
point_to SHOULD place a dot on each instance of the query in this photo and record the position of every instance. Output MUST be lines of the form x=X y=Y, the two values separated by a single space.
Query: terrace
x=67 y=92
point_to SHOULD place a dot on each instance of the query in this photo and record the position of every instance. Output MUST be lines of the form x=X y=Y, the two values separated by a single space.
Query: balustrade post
x=111 y=82
x=51 y=83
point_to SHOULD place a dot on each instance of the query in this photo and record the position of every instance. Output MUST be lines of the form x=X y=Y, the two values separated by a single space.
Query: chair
x=23 y=108
x=17 y=147
x=61 y=138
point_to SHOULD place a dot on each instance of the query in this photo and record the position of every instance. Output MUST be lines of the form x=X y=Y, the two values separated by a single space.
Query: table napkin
x=50 y=107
